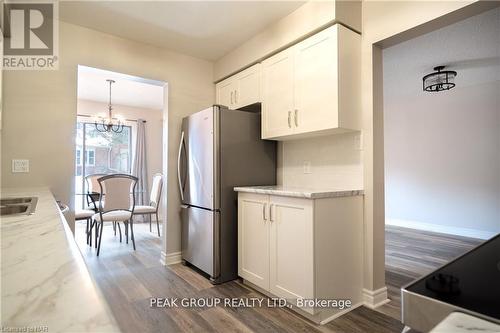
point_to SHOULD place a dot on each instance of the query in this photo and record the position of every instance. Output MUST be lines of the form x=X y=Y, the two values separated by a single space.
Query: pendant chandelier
x=439 y=80
x=103 y=124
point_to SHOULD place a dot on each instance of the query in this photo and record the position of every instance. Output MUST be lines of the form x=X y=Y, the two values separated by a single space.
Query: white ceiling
x=470 y=47
x=127 y=90
x=204 y=29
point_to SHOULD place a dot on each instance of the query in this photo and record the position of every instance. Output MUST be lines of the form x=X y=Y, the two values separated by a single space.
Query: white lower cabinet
x=291 y=248
x=253 y=244
x=296 y=248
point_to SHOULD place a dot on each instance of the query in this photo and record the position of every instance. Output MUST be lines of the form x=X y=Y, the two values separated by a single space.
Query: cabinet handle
x=231 y=97
x=236 y=96
x=264 y=208
x=289 y=119
x=271 y=218
x=296 y=118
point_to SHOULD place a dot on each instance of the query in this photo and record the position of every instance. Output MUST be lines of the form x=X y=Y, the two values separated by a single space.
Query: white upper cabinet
x=316 y=86
x=277 y=90
x=225 y=93
x=241 y=89
x=313 y=87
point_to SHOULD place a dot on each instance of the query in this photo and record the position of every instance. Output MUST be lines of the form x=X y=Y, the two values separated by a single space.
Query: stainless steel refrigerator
x=219 y=149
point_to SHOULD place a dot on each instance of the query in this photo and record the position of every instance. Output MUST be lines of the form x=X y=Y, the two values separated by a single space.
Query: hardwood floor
x=128 y=279
x=410 y=254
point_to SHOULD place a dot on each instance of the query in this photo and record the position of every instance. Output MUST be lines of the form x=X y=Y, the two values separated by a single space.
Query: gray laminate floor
x=128 y=279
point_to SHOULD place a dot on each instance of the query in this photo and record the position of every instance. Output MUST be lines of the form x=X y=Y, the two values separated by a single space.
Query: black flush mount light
x=439 y=80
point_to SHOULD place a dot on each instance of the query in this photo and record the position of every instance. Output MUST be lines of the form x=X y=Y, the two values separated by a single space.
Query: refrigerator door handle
x=179 y=166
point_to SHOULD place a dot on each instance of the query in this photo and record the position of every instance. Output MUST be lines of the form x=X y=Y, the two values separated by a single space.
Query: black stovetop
x=471 y=282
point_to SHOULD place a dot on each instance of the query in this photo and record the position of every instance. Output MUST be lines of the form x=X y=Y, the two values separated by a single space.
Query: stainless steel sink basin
x=17 y=206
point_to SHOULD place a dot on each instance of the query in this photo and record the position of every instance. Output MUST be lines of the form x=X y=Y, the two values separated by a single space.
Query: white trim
x=444 y=229
x=375 y=298
x=170 y=258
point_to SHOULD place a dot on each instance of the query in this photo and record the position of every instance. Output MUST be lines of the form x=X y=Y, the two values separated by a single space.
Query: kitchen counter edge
x=298 y=192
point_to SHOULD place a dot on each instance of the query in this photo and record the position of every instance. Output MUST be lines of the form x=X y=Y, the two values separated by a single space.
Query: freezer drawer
x=200 y=240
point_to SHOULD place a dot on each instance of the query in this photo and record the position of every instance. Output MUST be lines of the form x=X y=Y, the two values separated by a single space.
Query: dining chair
x=119 y=207
x=154 y=201
x=85 y=214
x=93 y=193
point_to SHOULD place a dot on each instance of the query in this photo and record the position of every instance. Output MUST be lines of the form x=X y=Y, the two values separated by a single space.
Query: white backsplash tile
x=336 y=162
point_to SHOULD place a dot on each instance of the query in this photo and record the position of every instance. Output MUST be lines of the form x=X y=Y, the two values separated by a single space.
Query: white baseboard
x=375 y=298
x=465 y=232
x=171 y=258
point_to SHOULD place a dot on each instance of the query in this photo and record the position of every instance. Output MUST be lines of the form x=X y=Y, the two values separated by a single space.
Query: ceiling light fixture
x=103 y=124
x=439 y=80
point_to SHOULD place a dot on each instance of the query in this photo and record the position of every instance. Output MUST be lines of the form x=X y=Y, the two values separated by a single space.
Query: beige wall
x=154 y=124
x=39 y=112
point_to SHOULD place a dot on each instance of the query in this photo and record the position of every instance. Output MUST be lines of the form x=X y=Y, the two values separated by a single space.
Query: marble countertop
x=458 y=322
x=45 y=282
x=299 y=192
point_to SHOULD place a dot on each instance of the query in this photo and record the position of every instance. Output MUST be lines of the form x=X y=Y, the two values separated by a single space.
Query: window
x=90 y=157
x=78 y=157
x=98 y=152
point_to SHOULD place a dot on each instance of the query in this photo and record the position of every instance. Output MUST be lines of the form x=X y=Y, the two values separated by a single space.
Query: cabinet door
x=277 y=95
x=253 y=238
x=226 y=91
x=316 y=82
x=291 y=248
x=248 y=87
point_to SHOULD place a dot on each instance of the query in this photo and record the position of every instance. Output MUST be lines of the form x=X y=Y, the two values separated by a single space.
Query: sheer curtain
x=139 y=168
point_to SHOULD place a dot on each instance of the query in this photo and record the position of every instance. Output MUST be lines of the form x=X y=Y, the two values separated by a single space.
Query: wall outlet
x=307 y=167
x=20 y=166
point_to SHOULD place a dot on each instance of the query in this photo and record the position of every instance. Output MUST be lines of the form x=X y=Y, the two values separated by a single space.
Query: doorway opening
x=440 y=149
x=121 y=120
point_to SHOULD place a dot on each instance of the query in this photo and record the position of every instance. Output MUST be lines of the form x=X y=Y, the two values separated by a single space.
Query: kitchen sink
x=17 y=206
